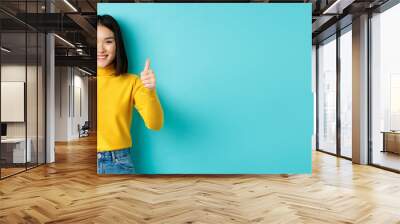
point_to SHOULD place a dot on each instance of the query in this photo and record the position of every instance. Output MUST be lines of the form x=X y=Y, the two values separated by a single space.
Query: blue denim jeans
x=115 y=162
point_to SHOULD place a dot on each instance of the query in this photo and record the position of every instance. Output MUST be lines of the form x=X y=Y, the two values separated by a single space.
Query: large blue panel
x=234 y=81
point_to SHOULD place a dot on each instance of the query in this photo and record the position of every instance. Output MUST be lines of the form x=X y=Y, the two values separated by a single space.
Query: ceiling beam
x=83 y=61
x=86 y=26
x=337 y=6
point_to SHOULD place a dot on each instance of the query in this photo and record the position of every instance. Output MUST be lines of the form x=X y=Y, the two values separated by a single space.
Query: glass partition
x=14 y=153
x=22 y=89
x=31 y=100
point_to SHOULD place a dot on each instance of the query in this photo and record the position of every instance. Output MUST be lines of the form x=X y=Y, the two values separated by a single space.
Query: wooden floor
x=387 y=159
x=70 y=191
x=5 y=172
x=8 y=171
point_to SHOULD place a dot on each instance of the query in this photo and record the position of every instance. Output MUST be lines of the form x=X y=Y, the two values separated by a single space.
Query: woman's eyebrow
x=107 y=38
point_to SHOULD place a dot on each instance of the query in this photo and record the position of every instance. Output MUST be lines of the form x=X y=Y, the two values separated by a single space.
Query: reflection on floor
x=387 y=159
x=10 y=169
x=70 y=191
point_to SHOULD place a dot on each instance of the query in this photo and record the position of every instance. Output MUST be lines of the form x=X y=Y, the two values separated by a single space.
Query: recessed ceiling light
x=84 y=71
x=64 y=40
x=70 y=5
x=5 y=50
x=338 y=6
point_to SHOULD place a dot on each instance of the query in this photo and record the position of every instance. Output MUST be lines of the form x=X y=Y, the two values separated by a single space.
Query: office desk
x=16 y=147
x=391 y=141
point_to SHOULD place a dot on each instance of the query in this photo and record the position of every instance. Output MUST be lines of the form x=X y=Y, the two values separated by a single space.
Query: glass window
x=327 y=95
x=385 y=88
x=346 y=93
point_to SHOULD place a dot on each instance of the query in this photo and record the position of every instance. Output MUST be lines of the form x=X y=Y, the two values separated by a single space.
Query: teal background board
x=234 y=80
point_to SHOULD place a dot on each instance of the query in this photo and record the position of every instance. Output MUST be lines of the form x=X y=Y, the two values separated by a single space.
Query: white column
x=50 y=110
x=50 y=93
x=360 y=90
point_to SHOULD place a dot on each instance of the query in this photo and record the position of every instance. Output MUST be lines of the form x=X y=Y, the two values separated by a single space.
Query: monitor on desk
x=3 y=130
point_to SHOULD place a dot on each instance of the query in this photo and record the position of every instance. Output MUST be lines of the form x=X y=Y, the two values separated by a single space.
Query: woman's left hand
x=147 y=76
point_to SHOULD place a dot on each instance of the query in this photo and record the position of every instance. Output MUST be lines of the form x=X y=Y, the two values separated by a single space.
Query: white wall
x=81 y=84
x=71 y=92
x=61 y=103
x=15 y=72
x=33 y=127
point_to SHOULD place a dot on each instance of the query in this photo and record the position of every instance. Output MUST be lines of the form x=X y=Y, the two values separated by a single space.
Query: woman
x=117 y=93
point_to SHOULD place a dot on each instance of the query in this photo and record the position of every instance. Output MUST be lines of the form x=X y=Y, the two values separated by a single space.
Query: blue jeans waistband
x=115 y=154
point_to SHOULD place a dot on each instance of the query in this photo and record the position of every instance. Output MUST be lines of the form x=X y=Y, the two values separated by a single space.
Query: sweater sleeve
x=148 y=105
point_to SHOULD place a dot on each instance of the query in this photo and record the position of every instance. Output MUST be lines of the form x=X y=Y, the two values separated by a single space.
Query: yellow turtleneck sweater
x=116 y=97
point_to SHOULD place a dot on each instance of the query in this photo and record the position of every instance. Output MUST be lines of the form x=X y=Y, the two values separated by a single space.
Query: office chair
x=84 y=130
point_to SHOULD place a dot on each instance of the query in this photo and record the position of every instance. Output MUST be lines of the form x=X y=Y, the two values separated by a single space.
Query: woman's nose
x=100 y=48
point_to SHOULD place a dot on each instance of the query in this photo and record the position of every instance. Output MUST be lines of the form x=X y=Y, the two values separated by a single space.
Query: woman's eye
x=109 y=42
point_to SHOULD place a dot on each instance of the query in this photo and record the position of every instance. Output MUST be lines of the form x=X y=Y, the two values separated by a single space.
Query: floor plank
x=70 y=191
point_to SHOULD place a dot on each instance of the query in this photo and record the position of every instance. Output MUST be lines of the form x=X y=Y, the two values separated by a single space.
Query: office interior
x=377 y=83
x=48 y=80
x=48 y=85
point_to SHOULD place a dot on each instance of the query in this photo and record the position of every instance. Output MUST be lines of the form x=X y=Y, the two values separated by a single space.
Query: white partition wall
x=71 y=102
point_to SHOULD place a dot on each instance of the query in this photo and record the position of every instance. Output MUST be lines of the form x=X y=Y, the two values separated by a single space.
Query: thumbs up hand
x=147 y=76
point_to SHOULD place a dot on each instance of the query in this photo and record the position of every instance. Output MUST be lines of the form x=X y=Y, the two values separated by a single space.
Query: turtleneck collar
x=109 y=70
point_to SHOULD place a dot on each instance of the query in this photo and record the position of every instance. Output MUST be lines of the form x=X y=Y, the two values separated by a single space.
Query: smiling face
x=106 y=46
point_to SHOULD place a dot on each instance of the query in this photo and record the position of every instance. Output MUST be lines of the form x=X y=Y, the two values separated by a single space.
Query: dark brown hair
x=121 y=60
